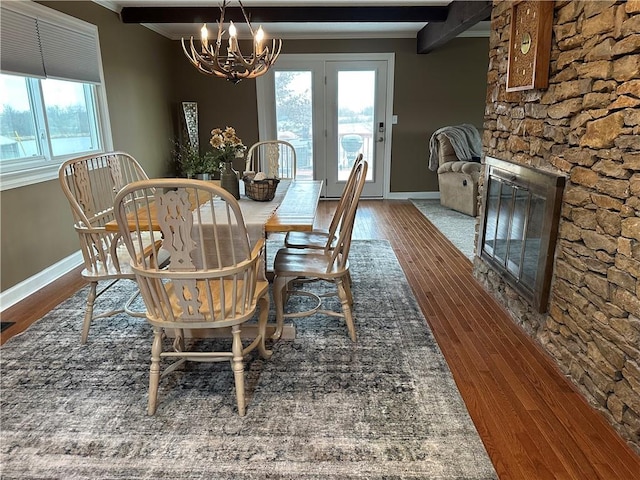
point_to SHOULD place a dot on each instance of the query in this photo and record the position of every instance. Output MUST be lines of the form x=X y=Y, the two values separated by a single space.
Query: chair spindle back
x=276 y=158
x=212 y=271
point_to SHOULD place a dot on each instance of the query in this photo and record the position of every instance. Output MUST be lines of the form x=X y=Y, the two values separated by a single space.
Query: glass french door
x=330 y=110
x=294 y=116
x=355 y=92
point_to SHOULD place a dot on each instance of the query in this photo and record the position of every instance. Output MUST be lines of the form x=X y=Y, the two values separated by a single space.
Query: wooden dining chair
x=211 y=280
x=276 y=158
x=90 y=184
x=326 y=264
x=326 y=238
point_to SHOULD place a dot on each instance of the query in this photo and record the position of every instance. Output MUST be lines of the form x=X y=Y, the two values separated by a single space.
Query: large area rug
x=457 y=227
x=322 y=407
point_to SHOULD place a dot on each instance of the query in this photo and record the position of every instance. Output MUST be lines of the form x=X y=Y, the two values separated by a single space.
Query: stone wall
x=585 y=125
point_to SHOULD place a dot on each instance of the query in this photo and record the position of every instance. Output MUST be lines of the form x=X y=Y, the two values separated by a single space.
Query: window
x=53 y=108
x=42 y=120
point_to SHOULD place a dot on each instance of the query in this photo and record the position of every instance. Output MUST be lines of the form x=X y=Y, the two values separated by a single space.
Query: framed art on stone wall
x=529 y=45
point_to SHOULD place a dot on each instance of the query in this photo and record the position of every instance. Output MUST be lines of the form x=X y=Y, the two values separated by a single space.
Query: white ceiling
x=341 y=30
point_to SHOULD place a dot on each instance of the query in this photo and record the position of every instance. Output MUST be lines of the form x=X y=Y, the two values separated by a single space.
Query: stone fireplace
x=584 y=127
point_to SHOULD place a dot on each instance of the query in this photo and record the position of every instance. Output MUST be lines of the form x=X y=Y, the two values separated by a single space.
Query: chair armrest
x=469 y=168
x=257 y=248
x=464 y=167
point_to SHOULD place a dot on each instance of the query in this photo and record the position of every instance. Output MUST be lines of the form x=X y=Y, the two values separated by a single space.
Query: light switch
x=394 y=120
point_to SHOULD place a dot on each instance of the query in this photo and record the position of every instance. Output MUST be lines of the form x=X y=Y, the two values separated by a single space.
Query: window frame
x=44 y=168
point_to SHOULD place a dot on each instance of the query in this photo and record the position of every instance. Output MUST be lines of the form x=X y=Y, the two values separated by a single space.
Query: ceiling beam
x=285 y=14
x=462 y=15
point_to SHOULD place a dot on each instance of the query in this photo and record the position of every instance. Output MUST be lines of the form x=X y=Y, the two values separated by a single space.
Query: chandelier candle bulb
x=259 y=39
x=204 y=34
x=233 y=41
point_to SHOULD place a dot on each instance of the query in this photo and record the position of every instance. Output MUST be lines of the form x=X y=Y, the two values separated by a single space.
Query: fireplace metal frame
x=538 y=184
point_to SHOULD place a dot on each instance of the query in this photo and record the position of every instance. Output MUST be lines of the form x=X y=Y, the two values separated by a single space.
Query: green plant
x=191 y=162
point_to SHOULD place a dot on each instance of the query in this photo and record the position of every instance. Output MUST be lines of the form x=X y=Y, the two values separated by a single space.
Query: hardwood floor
x=531 y=419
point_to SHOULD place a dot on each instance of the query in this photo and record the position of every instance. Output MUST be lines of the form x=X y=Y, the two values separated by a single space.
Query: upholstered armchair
x=457 y=179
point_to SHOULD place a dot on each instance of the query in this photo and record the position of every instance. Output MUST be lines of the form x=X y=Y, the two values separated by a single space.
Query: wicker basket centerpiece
x=259 y=188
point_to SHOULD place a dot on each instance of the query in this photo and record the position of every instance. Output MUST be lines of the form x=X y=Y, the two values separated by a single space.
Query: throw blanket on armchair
x=465 y=140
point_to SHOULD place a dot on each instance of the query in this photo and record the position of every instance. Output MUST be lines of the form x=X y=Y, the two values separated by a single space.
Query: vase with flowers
x=227 y=146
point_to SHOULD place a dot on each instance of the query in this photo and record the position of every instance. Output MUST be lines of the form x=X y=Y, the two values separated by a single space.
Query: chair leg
x=238 y=369
x=263 y=316
x=346 y=308
x=347 y=288
x=88 y=315
x=279 y=291
x=154 y=370
x=178 y=341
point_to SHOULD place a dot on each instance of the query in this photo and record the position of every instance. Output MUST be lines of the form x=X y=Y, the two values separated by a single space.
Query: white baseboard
x=41 y=279
x=417 y=195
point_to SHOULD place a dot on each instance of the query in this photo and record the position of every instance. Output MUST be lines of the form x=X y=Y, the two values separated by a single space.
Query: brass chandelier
x=232 y=65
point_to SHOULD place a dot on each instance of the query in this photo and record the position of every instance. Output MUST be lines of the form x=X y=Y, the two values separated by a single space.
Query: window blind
x=20 y=50
x=38 y=42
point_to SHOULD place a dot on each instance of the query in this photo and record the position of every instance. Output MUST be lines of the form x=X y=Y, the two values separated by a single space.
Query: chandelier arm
x=193 y=56
x=246 y=19
x=268 y=57
x=261 y=63
x=264 y=56
x=215 y=66
x=220 y=24
x=184 y=49
x=239 y=59
x=200 y=62
x=211 y=68
x=275 y=53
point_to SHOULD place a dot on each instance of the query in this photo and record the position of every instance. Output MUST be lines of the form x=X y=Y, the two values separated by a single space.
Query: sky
x=57 y=92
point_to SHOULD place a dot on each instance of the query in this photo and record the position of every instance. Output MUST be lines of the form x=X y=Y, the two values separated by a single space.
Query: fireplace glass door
x=513 y=230
x=520 y=225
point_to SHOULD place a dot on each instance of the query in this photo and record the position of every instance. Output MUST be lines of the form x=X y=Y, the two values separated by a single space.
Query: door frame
x=265 y=85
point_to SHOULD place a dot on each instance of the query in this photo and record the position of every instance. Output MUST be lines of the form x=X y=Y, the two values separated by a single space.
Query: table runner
x=255 y=214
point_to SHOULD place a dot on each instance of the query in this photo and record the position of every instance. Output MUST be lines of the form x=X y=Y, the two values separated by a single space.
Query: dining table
x=293 y=208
